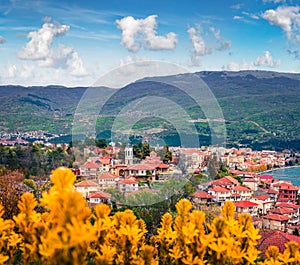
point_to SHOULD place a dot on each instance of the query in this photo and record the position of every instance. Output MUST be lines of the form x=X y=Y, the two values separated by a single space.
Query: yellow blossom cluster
x=68 y=232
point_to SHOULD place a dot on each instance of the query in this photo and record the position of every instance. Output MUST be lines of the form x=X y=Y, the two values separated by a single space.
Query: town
x=117 y=174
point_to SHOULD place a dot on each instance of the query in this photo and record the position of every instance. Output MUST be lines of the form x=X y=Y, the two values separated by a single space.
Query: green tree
x=101 y=143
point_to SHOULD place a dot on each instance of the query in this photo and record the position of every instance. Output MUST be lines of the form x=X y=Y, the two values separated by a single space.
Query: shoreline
x=275 y=169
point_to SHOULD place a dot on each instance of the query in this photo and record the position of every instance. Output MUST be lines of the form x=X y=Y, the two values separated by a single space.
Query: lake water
x=291 y=174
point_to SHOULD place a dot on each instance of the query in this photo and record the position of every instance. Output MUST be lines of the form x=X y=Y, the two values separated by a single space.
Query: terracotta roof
x=288 y=205
x=266 y=177
x=108 y=176
x=281 y=211
x=86 y=183
x=202 y=195
x=100 y=195
x=231 y=179
x=142 y=167
x=276 y=217
x=105 y=160
x=276 y=238
x=219 y=189
x=90 y=164
x=227 y=180
x=245 y=204
x=162 y=165
x=127 y=181
x=240 y=188
x=262 y=197
x=286 y=186
x=270 y=191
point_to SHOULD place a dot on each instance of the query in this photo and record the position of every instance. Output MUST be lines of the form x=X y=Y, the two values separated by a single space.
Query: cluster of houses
x=100 y=174
x=272 y=203
x=244 y=159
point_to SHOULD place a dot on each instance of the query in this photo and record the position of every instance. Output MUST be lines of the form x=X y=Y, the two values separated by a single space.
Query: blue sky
x=74 y=42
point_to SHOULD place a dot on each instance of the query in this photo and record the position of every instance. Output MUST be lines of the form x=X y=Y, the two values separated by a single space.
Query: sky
x=73 y=43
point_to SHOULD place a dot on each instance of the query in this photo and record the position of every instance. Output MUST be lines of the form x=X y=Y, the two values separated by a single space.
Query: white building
x=128 y=185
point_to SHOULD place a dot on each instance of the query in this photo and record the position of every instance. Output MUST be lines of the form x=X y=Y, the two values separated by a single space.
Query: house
x=287 y=192
x=201 y=197
x=276 y=238
x=289 y=205
x=90 y=170
x=225 y=182
x=141 y=170
x=220 y=194
x=105 y=162
x=128 y=185
x=107 y=180
x=150 y=167
x=265 y=203
x=118 y=169
x=251 y=183
x=99 y=197
x=291 y=213
x=244 y=192
x=275 y=221
x=246 y=207
x=86 y=187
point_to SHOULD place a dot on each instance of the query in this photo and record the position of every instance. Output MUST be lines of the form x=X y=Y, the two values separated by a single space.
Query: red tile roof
x=276 y=238
x=282 y=211
x=202 y=195
x=225 y=181
x=276 y=217
x=240 y=188
x=108 y=176
x=219 y=189
x=286 y=186
x=86 y=183
x=270 y=191
x=266 y=177
x=262 y=197
x=90 y=164
x=142 y=167
x=288 y=205
x=163 y=166
x=245 y=204
x=127 y=181
x=100 y=195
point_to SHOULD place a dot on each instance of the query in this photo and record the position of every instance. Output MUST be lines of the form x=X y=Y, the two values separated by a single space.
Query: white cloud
x=2 y=40
x=233 y=66
x=237 y=18
x=199 y=46
x=132 y=59
x=266 y=60
x=287 y=18
x=253 y=16
x=135 y=31
x=9 y=72
x=39 y=49
x=39 y=46
x=223 y=44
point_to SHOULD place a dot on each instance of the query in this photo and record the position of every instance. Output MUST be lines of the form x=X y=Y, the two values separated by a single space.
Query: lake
x=292 y=174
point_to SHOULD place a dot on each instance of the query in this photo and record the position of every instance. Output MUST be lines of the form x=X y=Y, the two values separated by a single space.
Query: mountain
x=261 y=109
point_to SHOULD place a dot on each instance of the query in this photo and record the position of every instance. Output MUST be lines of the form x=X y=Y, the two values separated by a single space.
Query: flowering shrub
x=68 y=232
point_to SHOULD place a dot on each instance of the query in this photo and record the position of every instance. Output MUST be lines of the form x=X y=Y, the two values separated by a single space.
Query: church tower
x=128 y=155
